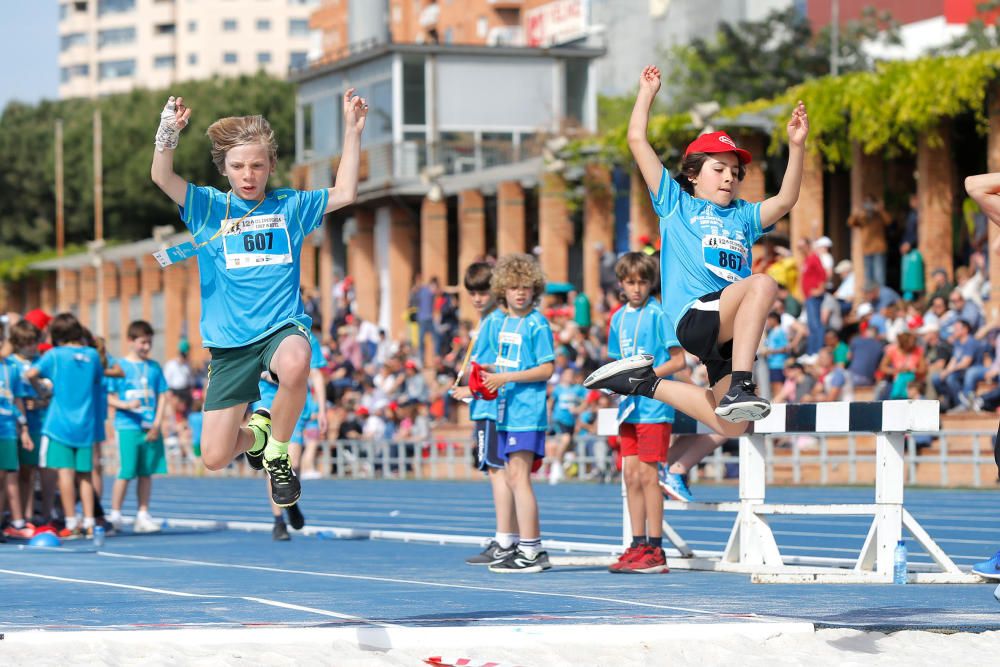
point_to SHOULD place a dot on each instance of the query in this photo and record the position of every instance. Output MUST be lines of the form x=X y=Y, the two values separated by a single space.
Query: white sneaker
x=311 y=474
x=145 y=524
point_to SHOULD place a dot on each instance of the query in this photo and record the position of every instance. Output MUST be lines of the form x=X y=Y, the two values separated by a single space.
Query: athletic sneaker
x=295 y=517
x=651 y=560
x=280 y=531
x=285 y=487
x=674 y=487
x=260 y=420
x=70 y=534
x=741 y=404
x=629 y=376
x=24 y=533
x=487 y=555
x=521 y=563
x=989 y=568
x=145 y=524
x=630 y=554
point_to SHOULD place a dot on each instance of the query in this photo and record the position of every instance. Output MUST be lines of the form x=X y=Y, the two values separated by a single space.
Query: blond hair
x=514 y=271
x=228 y=133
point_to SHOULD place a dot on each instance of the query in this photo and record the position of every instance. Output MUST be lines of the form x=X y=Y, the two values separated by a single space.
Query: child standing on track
x=483 y=414
x=567 y=404
x=248 y=242
x=716 y=305
x=524 y=363
x=640 y=327
x=14 y=436
x=139 y=400
x=67 y=445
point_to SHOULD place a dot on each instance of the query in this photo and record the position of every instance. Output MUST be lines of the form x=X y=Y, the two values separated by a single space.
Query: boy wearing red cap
x=716 y=305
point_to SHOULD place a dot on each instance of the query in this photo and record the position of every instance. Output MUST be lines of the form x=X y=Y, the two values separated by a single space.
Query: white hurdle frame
x=751 y=547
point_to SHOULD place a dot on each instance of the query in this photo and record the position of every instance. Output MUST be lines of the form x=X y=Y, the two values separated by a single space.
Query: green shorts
x=234 y=373
x=139 y=458
x=30 y=458
x=8 y=455
x=55 y=454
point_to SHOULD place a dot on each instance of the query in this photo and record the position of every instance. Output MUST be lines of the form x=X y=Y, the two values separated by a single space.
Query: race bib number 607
x=257 y=241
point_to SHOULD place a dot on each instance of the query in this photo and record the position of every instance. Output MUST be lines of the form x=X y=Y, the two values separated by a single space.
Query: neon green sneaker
x=260 y=421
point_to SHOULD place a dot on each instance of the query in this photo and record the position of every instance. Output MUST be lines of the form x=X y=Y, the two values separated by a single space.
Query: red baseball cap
x=717 y=142
x=362 y=411
x=410 y=363
x=38 y=317
x=476 y=386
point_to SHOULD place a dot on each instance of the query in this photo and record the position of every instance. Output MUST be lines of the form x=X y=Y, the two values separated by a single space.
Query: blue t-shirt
x=194 y=421
x=645 y=330
x=970 y=349
x=776 y=339
x=11 y=387
x=484 y=351
x=565 y=399
x=523 y=343
x=705 y=247
x=144 y=382
x=250 y=272
x=37 y=416
x=77 y=386
x=268 y=390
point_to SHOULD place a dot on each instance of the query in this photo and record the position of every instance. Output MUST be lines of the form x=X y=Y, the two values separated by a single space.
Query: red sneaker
x=651 y=560
x=70 y=534
x=630 y=554
x=25 y=533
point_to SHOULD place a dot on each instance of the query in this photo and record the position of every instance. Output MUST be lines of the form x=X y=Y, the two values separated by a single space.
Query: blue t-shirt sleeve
x=837 y=379
x=45 y=365
x=614 y=347
x=667 y=195
x=749 y=216
x=543 y=343
x=199 y=202
x=159 y=381
x=316 y=359
x=310 y=210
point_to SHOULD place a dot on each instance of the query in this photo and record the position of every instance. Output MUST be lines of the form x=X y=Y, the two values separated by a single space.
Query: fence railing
x=957 y=458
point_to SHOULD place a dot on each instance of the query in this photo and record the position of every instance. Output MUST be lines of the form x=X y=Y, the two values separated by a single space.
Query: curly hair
x=515 y=271
x=228 y=133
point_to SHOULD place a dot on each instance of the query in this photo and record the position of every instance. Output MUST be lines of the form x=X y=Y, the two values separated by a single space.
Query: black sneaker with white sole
x=521 y=563
x=742 y=404
x=285 y=487
x=295 y=517
x=260 y=421
x=631 y=376
x=280 y=531
x=487 y=556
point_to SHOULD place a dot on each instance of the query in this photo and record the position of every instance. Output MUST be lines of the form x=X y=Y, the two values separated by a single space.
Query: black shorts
x=698 y=333
x=487 y=449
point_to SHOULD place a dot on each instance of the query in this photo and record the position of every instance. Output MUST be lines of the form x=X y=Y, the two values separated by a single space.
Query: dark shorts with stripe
x=698 y=333
x=487 y=448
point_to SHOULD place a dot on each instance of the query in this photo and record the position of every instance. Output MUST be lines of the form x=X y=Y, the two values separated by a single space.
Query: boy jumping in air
x=248 y=243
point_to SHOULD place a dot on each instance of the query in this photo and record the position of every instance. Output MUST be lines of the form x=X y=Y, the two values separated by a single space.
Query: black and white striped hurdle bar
x=836 y=417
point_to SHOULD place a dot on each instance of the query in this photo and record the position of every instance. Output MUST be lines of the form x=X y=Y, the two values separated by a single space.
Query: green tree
x=132 y=204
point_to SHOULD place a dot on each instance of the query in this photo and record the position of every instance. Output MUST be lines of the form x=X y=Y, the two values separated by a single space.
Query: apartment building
x=113 y=46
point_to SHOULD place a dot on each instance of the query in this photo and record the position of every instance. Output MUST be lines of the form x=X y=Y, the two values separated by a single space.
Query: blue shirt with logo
x=565 y=399
x=11 y=387
x=143 y=382
x=249 y=273
x=35 y=417
x=645 y=330
x=705 y=247
x=484 y=351
x=523 y=343
x=77 y=385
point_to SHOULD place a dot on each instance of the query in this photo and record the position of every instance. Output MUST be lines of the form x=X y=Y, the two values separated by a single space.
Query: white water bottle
x=899 y=563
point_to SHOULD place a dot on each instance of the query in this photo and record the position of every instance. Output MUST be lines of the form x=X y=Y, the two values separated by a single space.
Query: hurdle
x=751 y=547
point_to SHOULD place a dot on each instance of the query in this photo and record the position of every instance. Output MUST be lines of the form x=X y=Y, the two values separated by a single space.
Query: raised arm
x=985 y=191
x=173 y=119
x=647 y=159
x=778 y=206
x=345 y=188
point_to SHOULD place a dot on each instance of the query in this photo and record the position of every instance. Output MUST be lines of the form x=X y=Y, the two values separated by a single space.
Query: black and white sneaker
x=742 y=404
x=521 y=563
x=280 y=531
x=285 y=487
x=260 y=421
x=488 y=555
x=295 y=517
x=629 y=376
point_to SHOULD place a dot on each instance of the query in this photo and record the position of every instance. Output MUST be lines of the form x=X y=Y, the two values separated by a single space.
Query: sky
x=29 y=50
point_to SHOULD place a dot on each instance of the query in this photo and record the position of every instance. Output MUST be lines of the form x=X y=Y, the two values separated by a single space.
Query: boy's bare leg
x=67 y=492
x=86 y=494
x=291 y=364
x=687 y=451
x=118 y=492
x=634 y=494
x=743 y=307
x=652 y=499
x=519 y=480
x=503 y=501
x=145 y=493
x=699 y=403
x=26 y=489
x=12 y=490
x=222 y=436
x=50 y=480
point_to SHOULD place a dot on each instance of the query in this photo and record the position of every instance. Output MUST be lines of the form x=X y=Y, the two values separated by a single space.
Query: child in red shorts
x=640 y=327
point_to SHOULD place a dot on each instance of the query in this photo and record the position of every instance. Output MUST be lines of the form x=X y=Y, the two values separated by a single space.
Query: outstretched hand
x=181 y=113
x=798 y=125
x=355 y=111
x=649 y=80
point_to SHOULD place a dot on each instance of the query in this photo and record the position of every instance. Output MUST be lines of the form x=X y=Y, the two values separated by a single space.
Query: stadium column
x=48 y=297
x=807 y=214
x=326 y=272
x=69 y=295
x=403 y=254
x=471 y=243
x=88 y=295
x=598 y=226
x=434 y=239
x=174 y=286
x=192 y=312
x=510 y=218
x=361 y=264
x=555 y=229
x=150 y=282
x=867 y=179
x=111 y=291
x=642 y=217
x=752 y=187
x=993 y=165
x=936 y=196
x=128 y=288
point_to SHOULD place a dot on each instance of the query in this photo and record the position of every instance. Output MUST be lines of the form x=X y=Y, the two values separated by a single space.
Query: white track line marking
x=163 y=591
x=358 y=577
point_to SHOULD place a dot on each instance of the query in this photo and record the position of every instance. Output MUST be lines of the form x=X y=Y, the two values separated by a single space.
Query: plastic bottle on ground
x=899 y=563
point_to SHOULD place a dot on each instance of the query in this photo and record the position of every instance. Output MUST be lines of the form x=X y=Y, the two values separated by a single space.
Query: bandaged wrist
x=168 y=133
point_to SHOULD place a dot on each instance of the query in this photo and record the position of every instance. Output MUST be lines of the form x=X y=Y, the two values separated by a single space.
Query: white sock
x=143 y=514
x=506 y=540
x=88 y=522
x=72 y=522
x=115 y=516
x=531 y=546
x=18 y=523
